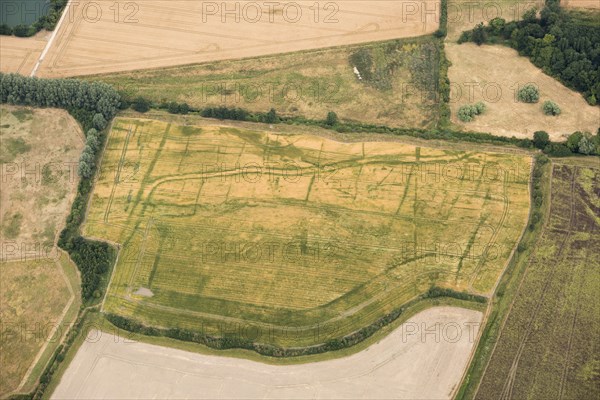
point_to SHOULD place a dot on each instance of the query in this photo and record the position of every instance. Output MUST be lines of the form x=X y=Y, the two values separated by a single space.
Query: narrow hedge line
x=224 y=342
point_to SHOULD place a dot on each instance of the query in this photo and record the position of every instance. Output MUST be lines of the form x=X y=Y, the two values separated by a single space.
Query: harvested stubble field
x=552 y=327
x=398 y=86
x=101 y=36
x=21 y=54
x=223 y=228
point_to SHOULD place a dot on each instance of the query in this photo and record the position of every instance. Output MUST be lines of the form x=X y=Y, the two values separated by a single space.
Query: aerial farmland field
x=405 y=364
x=397 y=87
x=38 y=152
x=218 y=227
x=548 y=345
x=99 y=36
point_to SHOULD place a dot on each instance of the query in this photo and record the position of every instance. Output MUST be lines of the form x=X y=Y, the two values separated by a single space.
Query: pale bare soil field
x=406 y=364
x=492 y=74
x=21 y=54
x=39 y=150
x=99 y=37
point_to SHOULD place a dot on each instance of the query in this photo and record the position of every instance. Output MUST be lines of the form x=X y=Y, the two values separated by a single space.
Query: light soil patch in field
x=402 y=91
x=590 y=4
x=39 y=151
x=21 y=54
x=463 y=15
x=492 y=74
x=98 y=37
x=295 y=231
x=552 y=326
x=39 y=299
x=407 y=364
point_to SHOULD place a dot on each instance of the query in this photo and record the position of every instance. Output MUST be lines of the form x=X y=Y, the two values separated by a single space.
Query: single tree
x=529 y=94
x=332 y=119
x=541 y=139
x=551 y=108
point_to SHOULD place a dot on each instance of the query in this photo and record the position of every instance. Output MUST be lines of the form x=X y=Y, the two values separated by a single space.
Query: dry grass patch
x=492 y=74
x=39 y=151
x=38 y=301
x=399 y=91
x=224 y=225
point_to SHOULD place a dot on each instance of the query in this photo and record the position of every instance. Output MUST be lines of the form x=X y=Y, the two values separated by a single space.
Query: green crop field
x=548 y=345
x=295 y=237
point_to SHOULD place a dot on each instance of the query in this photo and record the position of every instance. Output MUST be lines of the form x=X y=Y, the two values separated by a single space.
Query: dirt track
x=21 y=54
x=406 y=364
x=96 y=38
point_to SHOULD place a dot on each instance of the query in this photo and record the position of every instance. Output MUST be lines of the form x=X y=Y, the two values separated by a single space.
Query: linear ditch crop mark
x=117 y=175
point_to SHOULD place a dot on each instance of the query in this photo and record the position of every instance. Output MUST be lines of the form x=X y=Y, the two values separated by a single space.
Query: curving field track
x=104 y=36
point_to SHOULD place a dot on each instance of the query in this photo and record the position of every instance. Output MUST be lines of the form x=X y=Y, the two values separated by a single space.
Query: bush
x=541 y=139
x=551 y=108
x=271 y=117
x=557 y=150
x=529 y=94
x=587 y=145
x=332 y=119
x=184 y=108
x=479 y=35
x=23 y=31
x=99 y=121
x=173 y=108
x=573 y=141
x=141 y=105
x=5 y=30
x=467 y=112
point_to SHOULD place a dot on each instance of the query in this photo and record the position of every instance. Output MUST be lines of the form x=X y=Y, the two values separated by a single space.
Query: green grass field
x=548 y=345
x=398 y=86
x=295 y=238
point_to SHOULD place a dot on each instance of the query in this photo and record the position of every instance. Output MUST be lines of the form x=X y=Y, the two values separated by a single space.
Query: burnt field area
x=548 y=346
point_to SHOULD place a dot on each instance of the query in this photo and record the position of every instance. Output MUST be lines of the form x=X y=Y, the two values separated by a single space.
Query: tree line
x=563 y=43
x=92 y=104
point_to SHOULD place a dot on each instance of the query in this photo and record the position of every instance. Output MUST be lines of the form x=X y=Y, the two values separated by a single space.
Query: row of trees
x=578 y=143
x=566 y=45
x=95 y=97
